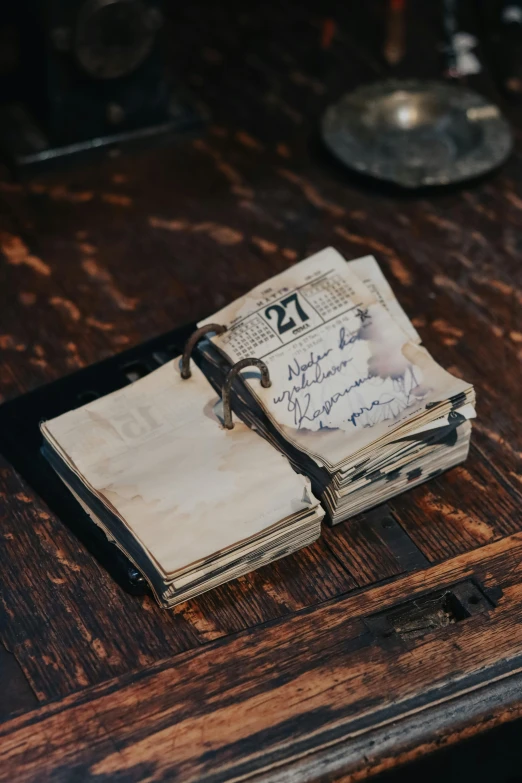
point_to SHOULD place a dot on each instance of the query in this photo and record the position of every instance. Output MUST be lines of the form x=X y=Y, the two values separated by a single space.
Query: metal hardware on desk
x=191 y=343
x=227 y=388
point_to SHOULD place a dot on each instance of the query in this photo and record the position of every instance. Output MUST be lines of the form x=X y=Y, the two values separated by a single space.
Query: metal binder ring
x=194 y=338
x=227 y=386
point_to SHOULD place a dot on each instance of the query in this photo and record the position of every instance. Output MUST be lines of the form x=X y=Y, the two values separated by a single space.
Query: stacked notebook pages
x=357 y=411
x=191 y=504
x=356 y=403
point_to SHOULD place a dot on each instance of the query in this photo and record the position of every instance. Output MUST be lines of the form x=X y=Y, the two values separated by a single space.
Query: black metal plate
x=20 y=439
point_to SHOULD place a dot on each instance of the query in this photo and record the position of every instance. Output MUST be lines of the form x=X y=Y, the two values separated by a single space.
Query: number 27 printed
x=284 y=319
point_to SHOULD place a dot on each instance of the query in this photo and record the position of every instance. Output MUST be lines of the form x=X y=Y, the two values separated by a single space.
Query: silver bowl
x=417 y=133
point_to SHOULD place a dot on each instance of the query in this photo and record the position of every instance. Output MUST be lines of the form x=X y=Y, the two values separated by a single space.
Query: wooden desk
x=277 y=675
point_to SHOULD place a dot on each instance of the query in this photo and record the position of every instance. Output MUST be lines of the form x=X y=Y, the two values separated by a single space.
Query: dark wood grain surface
x=275 y=673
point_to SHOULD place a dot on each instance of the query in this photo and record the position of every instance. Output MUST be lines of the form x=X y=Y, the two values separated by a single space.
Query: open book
x=356 y=412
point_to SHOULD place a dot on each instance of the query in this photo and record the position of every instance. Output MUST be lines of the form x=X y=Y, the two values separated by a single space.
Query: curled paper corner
x=214 y=410
x=307 y=494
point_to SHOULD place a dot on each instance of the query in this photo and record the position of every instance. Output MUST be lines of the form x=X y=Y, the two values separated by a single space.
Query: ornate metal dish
x=417 y=133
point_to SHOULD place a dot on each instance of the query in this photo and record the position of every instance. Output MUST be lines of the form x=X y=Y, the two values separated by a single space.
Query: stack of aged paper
x=190 y=503
x=357 y=412
x=356 y=403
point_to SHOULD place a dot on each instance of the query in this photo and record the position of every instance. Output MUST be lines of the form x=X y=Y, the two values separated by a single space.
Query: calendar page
x=290 y=309
x=342 y=359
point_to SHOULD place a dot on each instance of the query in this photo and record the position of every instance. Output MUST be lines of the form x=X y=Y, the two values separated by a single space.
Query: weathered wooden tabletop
x=278 y=673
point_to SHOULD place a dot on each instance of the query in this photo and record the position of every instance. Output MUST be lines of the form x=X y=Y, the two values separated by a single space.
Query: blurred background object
x=78 y=75
x=417 y=133
x=395 y=33
x=88 y=73
x=505 y=45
